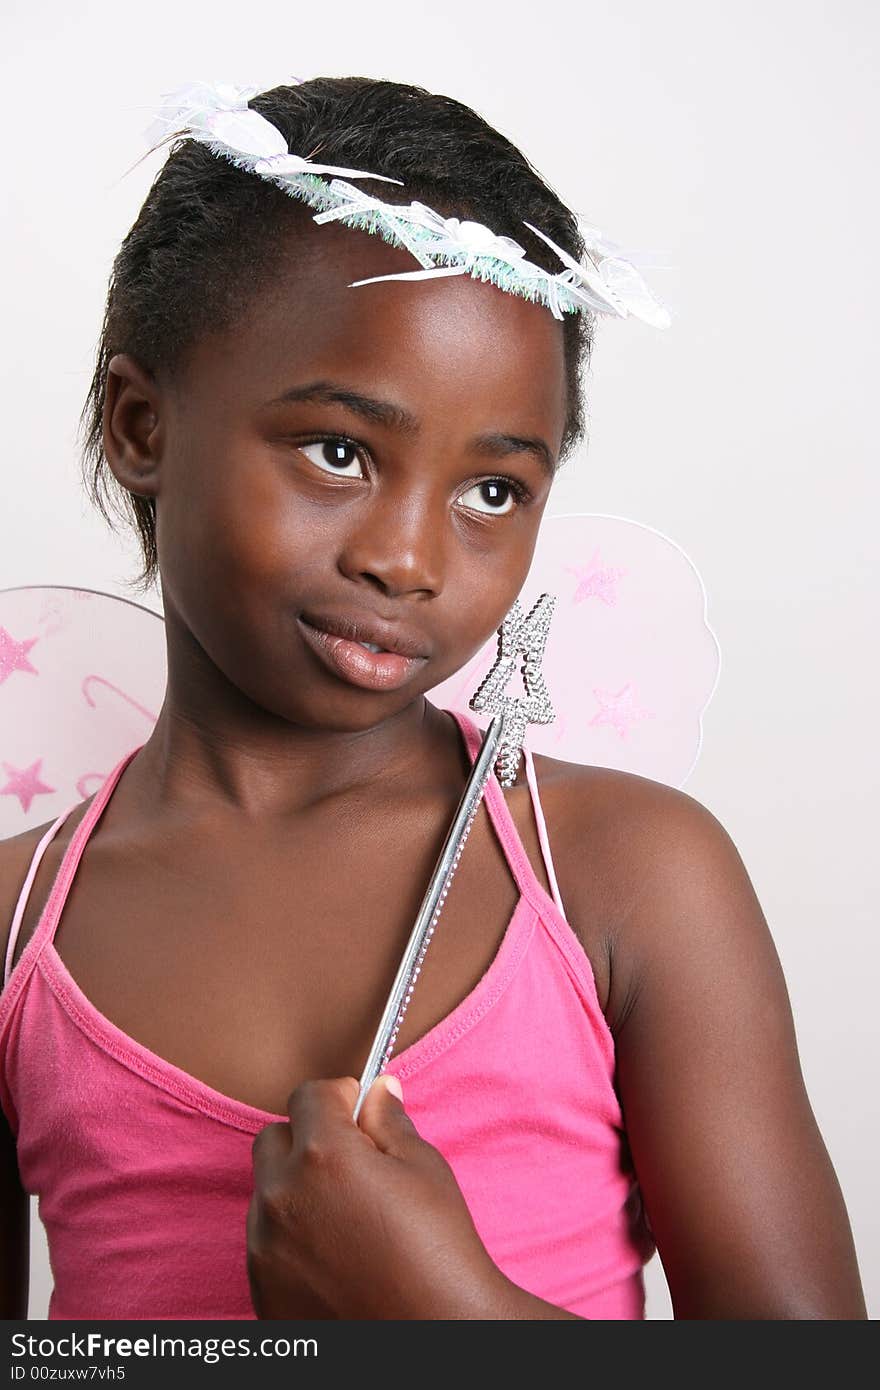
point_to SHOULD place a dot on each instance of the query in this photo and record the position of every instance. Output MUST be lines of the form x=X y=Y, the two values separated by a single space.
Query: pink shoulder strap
x=503 y=822
x=543 y=837
x=26 y=888
x=64 y=877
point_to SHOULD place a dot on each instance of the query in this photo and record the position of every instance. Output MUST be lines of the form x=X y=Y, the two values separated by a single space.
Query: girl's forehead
x=440 y=344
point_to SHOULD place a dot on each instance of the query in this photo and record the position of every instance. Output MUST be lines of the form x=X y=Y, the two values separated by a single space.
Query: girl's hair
x=206 y=239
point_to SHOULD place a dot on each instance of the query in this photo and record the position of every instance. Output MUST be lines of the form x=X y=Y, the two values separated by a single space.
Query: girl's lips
x=357 y=665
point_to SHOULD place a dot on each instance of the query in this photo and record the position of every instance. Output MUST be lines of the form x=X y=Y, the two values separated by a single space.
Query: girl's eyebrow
x=494 y=445
x=327 y=392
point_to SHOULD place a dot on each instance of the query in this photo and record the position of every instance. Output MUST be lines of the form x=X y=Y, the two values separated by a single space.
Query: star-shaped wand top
x=527 y=635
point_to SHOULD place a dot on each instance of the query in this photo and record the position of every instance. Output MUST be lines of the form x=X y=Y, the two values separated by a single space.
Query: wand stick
x=429 y=912
x=503 y=742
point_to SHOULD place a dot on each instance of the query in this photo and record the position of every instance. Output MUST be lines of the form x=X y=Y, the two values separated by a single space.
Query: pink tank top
x=144 y=1173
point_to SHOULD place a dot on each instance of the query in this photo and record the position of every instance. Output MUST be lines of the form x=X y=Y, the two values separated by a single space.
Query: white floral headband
x=217 y=115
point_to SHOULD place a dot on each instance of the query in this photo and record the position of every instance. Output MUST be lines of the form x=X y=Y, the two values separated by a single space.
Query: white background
x=737 y=137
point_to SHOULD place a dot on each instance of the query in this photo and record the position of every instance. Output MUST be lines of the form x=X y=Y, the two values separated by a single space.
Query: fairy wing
x=630 y=662
x=82 y=679
x=630 y=665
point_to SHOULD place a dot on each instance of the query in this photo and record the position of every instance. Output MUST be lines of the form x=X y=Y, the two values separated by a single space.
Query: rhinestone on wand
x=519 y=635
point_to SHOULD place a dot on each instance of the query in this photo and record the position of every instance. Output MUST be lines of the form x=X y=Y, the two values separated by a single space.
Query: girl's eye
x=342 y=457
x=496 y=496
x=334 y=456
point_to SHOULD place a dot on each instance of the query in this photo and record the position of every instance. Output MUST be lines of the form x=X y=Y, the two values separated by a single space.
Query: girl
x=207 y=943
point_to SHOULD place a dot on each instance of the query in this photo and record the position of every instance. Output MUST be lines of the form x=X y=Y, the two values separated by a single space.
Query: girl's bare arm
x=743 y=1200
x=14 y=1202
x=14 y=1231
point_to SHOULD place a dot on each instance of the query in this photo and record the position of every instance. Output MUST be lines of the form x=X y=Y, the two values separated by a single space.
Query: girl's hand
x=360 y=1219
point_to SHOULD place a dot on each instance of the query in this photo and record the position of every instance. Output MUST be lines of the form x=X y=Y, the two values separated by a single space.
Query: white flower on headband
x=217 y=114
x=251 y=136
x=614 y=285
x=449 y=235
x=193 y=102
x=457 y=236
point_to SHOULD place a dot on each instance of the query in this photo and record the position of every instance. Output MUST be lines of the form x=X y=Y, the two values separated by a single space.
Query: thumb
x=383 y=1117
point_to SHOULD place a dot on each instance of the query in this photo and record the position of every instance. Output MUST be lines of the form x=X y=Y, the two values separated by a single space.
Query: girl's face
x=380 y=453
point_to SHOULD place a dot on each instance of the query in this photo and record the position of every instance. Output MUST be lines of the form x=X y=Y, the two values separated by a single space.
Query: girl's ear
x=132 y=433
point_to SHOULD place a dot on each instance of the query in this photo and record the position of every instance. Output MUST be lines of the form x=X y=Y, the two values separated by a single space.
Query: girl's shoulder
x=612 y=833
x=583 y=799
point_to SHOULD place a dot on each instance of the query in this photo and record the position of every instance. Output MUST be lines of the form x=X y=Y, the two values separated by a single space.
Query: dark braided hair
x=206 y=238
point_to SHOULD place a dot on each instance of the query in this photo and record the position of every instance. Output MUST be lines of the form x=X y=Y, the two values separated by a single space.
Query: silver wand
x=502 y=743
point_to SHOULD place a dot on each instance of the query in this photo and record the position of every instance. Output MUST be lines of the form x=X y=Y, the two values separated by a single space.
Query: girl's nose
x=397 y=546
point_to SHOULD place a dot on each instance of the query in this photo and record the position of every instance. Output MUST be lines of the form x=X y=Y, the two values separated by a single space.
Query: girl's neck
x=275 y=768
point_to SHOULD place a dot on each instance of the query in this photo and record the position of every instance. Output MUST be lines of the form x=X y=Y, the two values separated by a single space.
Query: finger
x=252 y=1225
x=321 y=1113
x=270 y=1152
x=383 y=1117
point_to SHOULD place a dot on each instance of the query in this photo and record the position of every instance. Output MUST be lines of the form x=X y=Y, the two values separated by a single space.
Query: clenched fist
x=361 y=1219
